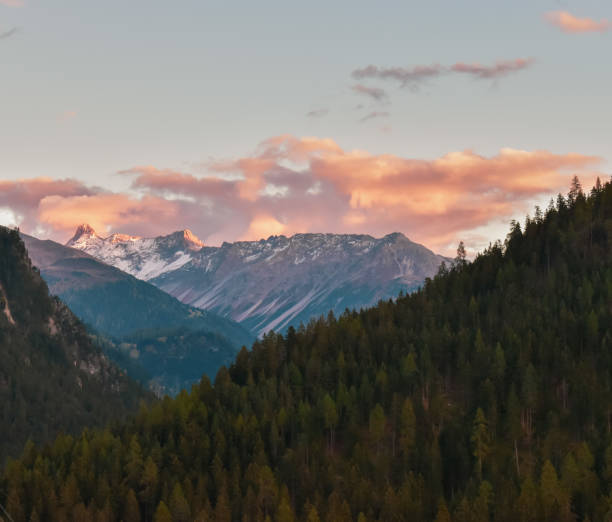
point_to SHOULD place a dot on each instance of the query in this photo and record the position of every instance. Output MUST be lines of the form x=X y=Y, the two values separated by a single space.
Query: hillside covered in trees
x=486 y=395
x=52 y=378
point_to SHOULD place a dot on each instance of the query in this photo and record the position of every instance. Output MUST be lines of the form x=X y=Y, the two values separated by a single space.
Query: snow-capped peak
x=122 y=238
x=144 y=258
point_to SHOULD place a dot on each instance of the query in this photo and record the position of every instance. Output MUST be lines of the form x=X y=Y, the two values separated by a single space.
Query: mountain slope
x=483 y=396
x=123 y=307
x=51 y=376
x=117 y=303
x=270 y=284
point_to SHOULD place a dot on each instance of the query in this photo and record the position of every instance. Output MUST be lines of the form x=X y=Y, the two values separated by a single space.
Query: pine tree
x=377 y=425
x=483 y=502
x=480 y=439
x=528 y=501
x=442 y=515
x=575 y=189
x=149 y=485
x=162 y=513
x=131 y=509
x=179 y=508
x=223 y=512
x=463 y=512
x=284 y=513
x=313 y=515
x=550 y=491
x=460 y=257
x=330 y=416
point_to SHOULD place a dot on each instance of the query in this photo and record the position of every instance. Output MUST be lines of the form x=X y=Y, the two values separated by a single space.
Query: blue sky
x=92 y=88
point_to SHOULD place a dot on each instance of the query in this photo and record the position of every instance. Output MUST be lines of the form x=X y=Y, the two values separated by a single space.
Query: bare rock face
x=276 y=282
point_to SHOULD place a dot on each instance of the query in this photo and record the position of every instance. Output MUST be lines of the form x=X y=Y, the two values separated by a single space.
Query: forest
x=484 y=396
x=52 y=377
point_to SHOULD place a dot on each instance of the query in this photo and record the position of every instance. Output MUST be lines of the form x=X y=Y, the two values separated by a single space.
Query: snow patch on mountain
x=144 y=258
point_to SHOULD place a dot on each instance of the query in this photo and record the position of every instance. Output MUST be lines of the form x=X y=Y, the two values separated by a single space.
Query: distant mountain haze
x=271 y=283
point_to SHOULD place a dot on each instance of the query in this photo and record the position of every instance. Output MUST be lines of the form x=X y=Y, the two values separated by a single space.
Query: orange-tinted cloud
x=24 y=196
x=497 y=70
x=375 y=93
x=68 y=115
x=291 y=185
x=569 y=23
x=314 y=185
x=107 y=212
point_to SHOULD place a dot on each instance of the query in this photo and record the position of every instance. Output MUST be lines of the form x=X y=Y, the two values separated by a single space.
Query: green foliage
x=52 y=378
x=485 y=395
x=162 y=513
x=480 y=439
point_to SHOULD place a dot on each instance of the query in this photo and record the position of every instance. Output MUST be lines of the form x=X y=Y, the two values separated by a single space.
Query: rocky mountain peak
x=83 y=230
x=191 y=238
x=184 y=240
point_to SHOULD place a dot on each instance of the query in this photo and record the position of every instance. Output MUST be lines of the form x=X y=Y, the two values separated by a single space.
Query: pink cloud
x=291 y=185
x=376 y=93
x=498 y=69
x=317 y=186
x=569 y=23
x=24 y=196
x=107 y=212
x=12 y=3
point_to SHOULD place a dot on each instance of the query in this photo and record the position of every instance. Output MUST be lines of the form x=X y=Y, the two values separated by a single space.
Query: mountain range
x=141 y=327
x=272 y=283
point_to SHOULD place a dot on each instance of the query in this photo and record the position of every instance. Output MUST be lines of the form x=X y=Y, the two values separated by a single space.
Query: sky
x=443 y=120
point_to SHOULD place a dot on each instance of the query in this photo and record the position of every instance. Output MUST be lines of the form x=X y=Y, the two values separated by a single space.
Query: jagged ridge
x=144 y=258
x=275 y=282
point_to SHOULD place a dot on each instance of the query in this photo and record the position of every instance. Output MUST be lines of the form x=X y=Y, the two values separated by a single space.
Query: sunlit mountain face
x=273 y=283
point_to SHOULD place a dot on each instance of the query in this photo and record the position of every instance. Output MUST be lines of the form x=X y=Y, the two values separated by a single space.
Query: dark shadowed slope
x=148 y=327
x=52 y=378
x=117 y=303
